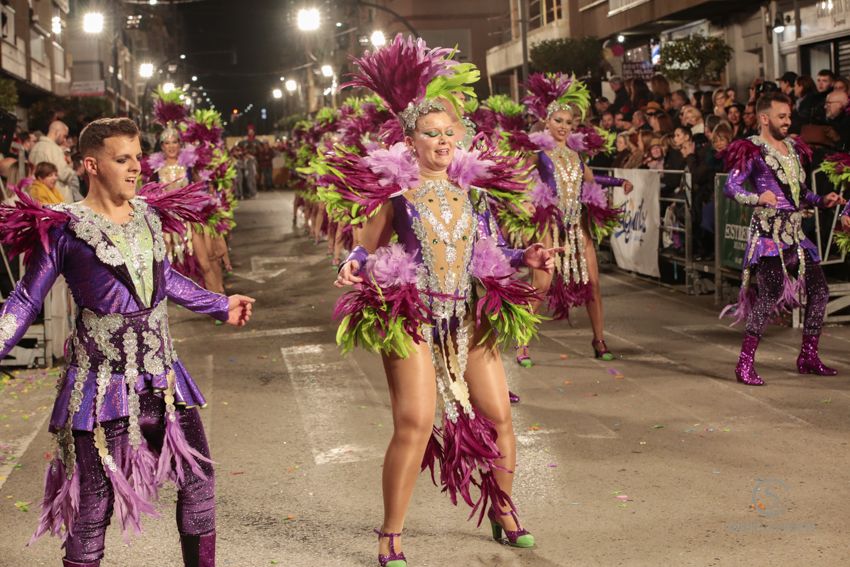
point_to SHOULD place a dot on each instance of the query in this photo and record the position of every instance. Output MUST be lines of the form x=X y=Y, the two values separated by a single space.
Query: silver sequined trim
x=8 y=326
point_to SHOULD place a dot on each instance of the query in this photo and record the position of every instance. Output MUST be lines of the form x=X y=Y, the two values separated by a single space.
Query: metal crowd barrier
x=680 y=258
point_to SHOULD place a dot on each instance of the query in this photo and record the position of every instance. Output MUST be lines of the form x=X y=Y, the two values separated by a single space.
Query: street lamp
x=308 y=19
x=277 y=93
x=146 y=70
x=327 y=71
x=167 y=87
x=56 y=25
x=194 y=78
x=93 y=22
x=378 y=38
x=291 y=85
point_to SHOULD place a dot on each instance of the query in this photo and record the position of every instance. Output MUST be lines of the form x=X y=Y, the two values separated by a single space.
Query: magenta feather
x=175 y=207
x=197 y=133
x=61 y=502
x=26 y=224
x=166 y=112
x=395 y=166
x=399 y=72
x=739 y=153
x=543 y=89
x=468 y=167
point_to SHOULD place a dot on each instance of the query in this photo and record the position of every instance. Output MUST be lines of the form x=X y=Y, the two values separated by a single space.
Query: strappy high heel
x=600 y=350
x=522 y=357
x=392 y=559
x=515 y=538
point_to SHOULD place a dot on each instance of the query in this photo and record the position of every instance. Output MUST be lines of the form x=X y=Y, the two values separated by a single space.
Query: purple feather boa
x=739 y=153
x=595 y=199
x=747 y=296
x=176 y=455
x=467 y=453
x=129 y=506
x=26 y=224
x=468 y=168
x=488 y=260
x=489 y=168
x=392 y=266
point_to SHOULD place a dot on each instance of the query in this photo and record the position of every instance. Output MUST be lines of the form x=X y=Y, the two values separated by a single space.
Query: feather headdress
x=551 y=92
x=413 y=79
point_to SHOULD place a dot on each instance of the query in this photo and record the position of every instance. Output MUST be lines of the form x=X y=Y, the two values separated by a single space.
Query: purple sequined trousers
x=195 y=496
x=770 y=281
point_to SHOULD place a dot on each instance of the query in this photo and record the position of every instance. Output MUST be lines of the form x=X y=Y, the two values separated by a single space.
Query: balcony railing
x=617 y=6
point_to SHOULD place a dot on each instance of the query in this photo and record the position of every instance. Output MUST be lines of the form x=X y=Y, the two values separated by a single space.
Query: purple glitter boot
x=66 y=563
x=809 y=362
x=745 y=371
x=198 y=551
x=392 y=559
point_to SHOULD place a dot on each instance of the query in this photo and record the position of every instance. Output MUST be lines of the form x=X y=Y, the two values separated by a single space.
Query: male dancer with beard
x=785 y=263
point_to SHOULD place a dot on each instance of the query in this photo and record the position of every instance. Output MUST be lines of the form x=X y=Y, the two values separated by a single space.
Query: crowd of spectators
x=677 y=130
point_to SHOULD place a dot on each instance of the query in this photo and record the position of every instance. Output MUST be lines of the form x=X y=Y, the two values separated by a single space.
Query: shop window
x=535 y=16
x=7 y=23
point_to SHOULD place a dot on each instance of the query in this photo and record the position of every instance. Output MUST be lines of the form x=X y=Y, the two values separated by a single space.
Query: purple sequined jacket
x=773 y=229
x=112 y=321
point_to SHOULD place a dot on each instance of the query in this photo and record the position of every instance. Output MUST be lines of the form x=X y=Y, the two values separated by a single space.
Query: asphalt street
x=655 y=459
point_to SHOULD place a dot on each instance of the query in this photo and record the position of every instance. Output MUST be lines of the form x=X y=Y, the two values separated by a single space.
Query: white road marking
x=7 y=467
x=328 y=390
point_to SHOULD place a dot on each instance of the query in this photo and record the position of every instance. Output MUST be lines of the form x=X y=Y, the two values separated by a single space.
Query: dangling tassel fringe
x=433 y=454
x=128 y=504
x=61 y=502
x=469 y=446
x=742 y=309
x=175 y=448
x=141 y=470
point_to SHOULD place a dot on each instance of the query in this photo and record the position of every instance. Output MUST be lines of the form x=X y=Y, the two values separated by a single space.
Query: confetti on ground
x=658 y=426
x=534 y=427
x=643 y=442
x=564 y=356
x=236 y=473
x=22 y=506
x=568 y=382
x=826 y=401
x=553 y=465
x=289 y=518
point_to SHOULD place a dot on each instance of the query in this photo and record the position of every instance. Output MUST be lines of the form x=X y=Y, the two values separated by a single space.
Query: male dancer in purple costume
x=126 y=416
x=777 y=247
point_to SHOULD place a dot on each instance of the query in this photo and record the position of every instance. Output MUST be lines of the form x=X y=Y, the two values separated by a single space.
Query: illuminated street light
x=194 y=78
x=167 y=87
x=308 y=19
x=93 y=22
x=146 y=70
x=282 y=79
x=152 y=2
x=327 y=71
x=378 y=38
x=621 y=38
x=291 y=85
x=277 y=93
x=182 y=56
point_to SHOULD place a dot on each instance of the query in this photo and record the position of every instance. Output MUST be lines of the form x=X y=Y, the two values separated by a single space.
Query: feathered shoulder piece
x=412 y=79
x=175 y=207
x=168 y=107
x=484 y=166
x=25 y=225
x=550 y=92
x=803 y=150
x=591 y=141
x=739 y=153
x=361 y=184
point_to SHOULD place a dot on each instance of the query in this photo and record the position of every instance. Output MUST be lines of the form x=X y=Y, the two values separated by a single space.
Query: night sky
x=257 y=36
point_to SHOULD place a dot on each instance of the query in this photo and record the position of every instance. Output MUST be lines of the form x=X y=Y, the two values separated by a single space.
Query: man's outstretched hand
x=239 y=309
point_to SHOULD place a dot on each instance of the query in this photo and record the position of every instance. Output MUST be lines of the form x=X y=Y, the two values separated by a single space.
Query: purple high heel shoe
x=515 y=538
x=513 y=397
x=66 y=563
x=809 y=361
x=745 y=371
x=392 y=559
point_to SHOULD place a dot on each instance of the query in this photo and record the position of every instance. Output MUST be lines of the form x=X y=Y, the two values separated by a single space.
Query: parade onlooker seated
x=659 y=121
x=639 y=120
x=606 y=121
x=43 y=189
x=622 y=121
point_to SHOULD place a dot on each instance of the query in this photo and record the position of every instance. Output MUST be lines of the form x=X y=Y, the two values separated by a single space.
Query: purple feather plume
x=166 y=112
x=395 y=166
x=399 y=72
x=176 y=455
x=469 y=167
x=543 y=89
x=488 y=260
x=739 y=153
x=392 y=265
x=544 y=140
x=188 y=156
x=156 y=160
x=61 y=503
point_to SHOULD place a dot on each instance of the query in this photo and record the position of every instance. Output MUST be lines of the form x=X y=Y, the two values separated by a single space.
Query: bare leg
x=338 y=244
x=202 y=255
x=215 y=263
x=594 y=307
x=413 y=395
x=488 y=391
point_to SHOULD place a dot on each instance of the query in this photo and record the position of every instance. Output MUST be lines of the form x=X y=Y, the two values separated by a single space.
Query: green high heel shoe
x=518 y=538
x=522 y=357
